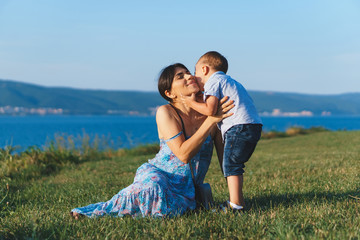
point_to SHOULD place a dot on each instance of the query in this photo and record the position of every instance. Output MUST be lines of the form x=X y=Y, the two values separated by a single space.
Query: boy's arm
x=208 y=108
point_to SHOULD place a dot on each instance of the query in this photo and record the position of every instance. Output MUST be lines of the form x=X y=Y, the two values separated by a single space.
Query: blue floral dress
x=162 y=187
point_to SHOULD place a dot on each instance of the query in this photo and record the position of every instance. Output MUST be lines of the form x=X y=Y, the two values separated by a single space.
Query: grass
x=301 y=187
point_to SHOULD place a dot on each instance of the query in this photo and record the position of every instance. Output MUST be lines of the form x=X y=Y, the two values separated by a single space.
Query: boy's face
x=199 y=75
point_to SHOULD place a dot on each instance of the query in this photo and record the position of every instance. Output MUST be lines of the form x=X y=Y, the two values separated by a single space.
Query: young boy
x=240 y=132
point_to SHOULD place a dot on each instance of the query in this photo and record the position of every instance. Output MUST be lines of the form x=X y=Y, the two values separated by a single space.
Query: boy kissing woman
x=240 y=132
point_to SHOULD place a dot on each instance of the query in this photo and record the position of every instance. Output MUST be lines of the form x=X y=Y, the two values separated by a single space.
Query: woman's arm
x=169 y=126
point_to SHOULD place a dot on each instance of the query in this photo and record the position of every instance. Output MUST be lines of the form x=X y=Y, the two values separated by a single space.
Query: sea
x=114 y=131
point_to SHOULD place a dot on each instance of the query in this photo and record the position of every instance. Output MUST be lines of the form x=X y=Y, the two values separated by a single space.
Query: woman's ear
x=169 y=94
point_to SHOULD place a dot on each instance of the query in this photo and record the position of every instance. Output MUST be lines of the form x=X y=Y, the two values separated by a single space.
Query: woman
x=164 y=186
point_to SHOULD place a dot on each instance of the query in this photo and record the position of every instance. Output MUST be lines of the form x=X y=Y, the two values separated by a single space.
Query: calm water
x=123 y=131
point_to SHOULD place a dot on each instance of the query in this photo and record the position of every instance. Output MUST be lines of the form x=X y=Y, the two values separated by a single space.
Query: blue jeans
x=240 y=142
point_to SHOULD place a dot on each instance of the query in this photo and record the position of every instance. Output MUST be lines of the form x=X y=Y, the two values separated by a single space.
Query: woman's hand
x=186 y=149
x=223 y=108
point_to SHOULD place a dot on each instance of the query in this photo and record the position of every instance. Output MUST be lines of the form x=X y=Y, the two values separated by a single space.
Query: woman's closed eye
x=180 y=76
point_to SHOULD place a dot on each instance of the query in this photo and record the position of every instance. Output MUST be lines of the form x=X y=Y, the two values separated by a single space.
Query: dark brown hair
x=166 y=78
x=215 y=60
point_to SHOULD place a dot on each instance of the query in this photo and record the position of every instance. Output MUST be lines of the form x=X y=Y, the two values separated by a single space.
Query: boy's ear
x=169 y=95
x=205 y=69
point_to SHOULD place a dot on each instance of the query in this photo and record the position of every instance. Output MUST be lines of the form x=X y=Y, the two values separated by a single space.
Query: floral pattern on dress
x=162 y=187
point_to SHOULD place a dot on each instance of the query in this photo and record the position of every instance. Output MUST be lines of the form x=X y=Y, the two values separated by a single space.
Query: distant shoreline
x=18 y=98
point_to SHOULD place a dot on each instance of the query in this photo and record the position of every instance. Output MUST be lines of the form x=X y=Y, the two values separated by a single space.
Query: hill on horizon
x=84 y=101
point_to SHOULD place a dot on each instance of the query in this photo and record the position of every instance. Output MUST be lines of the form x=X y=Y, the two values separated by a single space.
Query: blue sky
x=307 y=46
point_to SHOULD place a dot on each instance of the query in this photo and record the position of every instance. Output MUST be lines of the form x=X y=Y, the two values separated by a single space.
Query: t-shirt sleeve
x=212 y=88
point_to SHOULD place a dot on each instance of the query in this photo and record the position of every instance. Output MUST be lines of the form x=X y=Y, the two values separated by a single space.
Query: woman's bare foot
x=75 y=215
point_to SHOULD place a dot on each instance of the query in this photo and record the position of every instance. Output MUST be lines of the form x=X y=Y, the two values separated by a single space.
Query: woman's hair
x=166 y=78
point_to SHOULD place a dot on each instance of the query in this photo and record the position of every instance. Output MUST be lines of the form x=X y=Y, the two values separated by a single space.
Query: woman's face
x=184 y=83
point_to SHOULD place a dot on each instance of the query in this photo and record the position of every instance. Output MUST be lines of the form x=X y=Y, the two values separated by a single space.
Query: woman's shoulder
x=163 y=108
x=163 y=111
x=167 y=122
x=165 y=114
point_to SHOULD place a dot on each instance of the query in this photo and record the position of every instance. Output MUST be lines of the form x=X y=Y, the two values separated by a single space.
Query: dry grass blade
x=354 y=197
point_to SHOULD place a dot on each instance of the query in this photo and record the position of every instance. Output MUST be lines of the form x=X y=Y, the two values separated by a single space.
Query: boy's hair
x=215 y=60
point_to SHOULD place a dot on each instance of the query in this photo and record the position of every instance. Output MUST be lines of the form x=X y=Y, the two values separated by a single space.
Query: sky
x=307 y=46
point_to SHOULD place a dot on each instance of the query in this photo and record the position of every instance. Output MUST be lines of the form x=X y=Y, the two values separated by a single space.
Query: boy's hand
x=199 y=97
x=187 y=100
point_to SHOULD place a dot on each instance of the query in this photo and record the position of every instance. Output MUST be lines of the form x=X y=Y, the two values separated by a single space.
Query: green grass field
x=302 y=187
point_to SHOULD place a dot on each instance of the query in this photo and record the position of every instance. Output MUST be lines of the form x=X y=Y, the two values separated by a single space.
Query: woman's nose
x=189 y=76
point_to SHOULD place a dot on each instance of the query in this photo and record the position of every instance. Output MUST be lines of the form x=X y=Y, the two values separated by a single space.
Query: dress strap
x=182 y=123
x=166 y=140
